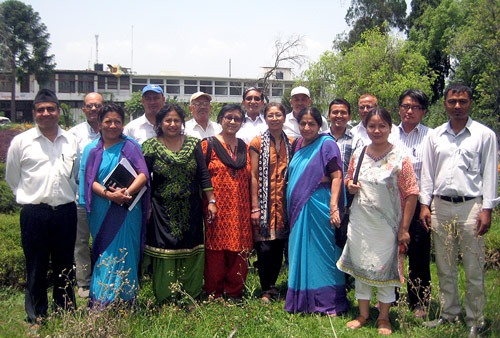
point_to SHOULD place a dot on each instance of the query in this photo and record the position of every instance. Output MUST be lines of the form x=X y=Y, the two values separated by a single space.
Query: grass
x=245 y=318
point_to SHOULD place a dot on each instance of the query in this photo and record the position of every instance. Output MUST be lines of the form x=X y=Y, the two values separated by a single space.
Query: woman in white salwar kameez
x=384 y=203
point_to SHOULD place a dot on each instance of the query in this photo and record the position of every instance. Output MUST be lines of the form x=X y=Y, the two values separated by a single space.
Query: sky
x=187 y=37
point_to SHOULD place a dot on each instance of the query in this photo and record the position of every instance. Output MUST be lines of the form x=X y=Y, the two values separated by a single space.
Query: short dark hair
x=262 y=96
x=230 y=107
x=274 y=104
x=415 y=94
x=167 y=108
x=340 y=101
x=111 y=107
x=379 y=111
x=314 y=112
x=458 y=88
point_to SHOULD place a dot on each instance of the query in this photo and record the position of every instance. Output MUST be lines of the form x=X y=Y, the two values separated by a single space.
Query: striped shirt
x=412 y=144
x=344 y=143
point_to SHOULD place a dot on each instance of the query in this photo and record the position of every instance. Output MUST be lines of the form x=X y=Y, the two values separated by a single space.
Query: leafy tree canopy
x=379 y=64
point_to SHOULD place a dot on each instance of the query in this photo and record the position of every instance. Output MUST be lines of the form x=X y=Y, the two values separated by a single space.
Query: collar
x=347 y=133
x=448 y=129
x=417 y=129
x=290 y=116
x=146 y=121
x=259 y=117
x=91 y=130
x=39 y=133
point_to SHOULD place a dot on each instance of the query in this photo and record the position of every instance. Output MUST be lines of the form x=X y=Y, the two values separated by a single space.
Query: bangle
x=127 y=193
x=212 y=201
x=254 y=211
x=104 y=191
x=333 y=210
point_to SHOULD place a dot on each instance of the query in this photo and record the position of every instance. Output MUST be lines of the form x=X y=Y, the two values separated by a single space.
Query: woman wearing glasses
x=270 y=155
x=229 y=236
x=255 y=123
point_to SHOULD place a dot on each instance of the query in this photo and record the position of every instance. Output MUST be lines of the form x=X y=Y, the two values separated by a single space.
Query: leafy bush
x=8 y=203
x=12 y=267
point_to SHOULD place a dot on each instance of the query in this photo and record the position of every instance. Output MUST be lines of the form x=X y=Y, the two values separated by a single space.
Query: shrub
x=8 y=203
x=12 y=267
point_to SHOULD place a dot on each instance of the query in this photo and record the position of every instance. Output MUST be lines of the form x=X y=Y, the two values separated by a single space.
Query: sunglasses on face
x=92 y=105
x=230 y=118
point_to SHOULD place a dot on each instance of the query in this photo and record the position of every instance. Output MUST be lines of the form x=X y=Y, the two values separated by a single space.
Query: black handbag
x=341 y=232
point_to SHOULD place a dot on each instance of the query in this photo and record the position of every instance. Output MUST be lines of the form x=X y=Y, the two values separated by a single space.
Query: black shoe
x=438 y=322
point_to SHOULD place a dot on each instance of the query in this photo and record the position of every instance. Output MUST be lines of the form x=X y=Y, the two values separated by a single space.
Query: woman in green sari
x=174 y=236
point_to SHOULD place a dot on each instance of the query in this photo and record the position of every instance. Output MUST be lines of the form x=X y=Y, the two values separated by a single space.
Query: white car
x=4 y=120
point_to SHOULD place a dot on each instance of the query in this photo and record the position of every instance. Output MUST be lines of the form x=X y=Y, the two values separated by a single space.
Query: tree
x=285 y=52
x=133 y=106
x=432 y=33
x=379 y=64
x=476 y=49
x=367 y=14
x=27 y=41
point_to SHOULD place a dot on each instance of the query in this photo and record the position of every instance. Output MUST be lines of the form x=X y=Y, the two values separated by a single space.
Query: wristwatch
x=212 y=201
x=127 y=193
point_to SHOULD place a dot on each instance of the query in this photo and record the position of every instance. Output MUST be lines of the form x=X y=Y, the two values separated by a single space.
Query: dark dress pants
x=48 y=234
x=419 y=278
x=269 y=260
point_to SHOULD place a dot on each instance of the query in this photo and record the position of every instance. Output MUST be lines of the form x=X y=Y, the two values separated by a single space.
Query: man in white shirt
x=458 y=191
x=410 y=137
x=143 y=127
x=42 y=164
x=200 y=125
x=255 y=124
x=301 y=98
x=85 y=133
x=366 y=103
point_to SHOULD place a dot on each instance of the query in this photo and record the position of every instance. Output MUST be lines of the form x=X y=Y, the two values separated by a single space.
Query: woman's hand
x=118 y=196
x=335 y=217
x=212 y=212
x=404 y=238
x=255 y=218
x=353 y=188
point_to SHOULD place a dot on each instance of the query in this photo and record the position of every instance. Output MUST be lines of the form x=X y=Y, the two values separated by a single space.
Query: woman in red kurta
x=229 y=235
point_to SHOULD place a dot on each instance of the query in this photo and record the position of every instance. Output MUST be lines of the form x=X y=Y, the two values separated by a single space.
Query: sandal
x=357 y=323
x=384 y=327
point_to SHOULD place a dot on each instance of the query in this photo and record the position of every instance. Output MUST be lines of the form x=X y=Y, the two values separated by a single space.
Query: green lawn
x=215 y=318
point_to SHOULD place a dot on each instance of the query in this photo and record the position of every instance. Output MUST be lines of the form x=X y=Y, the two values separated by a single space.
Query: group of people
x=261 y=179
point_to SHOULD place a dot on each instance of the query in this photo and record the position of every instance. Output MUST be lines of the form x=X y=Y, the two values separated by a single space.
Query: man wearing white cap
x=200 y=125
x=142 y=128
x=301 y=98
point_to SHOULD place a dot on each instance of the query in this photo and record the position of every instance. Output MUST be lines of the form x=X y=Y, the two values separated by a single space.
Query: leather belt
x=50 y=207
x=456 y=199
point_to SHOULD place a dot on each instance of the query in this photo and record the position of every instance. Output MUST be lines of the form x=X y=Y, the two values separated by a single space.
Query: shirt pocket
x=468 y=160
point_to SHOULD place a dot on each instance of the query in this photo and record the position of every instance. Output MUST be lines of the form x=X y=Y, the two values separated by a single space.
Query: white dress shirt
x=412 y=144
x=194 y=129
x=84 y=134
x=463 y=164
x=41 y=171
x=140 y=129
x=251 y=129
x=291 y=126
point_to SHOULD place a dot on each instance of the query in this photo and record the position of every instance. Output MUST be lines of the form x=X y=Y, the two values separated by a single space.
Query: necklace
x=375 y=156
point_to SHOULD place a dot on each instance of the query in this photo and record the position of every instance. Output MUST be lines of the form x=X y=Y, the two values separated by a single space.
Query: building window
x=67 y=83
x=279 y=75
x=136 y=80
x=112 y=82
x=101 y=82
x=277 y=92
x=50 y=84
x=25 y=84
x=5 y=83
x=174 y=82
x=137 y=88
x=173 y=89
x=206 y=89
x=156 y=81
x=190 y=86
x=221 y=91
x=124 y=83
x=85 y=83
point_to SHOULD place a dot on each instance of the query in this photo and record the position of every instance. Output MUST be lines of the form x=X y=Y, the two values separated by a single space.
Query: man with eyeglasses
x=42 y=164
x=339 y=114
x=458 y=192
x=365 y=103
x=300 y=99
x=85 y=132
x=143 y=127
x=200 y=125
x=410 y=137
x=255 y=124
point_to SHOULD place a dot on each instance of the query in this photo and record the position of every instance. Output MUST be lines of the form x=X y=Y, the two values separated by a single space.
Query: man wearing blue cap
x=142 y=128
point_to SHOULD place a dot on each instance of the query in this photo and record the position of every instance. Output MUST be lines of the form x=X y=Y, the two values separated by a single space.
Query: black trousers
x=48 y=234
x=269 y=260
x=419 y=259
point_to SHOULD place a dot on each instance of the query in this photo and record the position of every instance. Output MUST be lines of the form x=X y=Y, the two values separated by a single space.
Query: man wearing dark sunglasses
x=255 y=124
x=41 y=167
x=85 y=133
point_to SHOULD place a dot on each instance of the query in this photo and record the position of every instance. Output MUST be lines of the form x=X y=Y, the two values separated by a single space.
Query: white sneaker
x=84 y=292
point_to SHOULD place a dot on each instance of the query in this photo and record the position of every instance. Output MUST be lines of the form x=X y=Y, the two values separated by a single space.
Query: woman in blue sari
x=117 y=233
x=314 y=195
